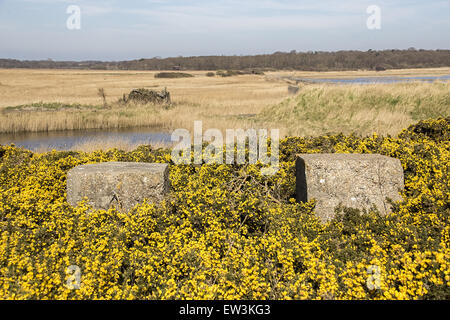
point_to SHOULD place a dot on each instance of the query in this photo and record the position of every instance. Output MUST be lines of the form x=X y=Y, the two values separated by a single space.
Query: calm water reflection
x=66 y=140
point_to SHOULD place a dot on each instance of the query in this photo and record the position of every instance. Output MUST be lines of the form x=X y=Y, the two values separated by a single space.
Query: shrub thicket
x=227 y=232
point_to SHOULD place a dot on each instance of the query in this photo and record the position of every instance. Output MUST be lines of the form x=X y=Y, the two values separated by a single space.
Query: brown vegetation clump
x=231 y=73
x=173 y=75
x=144 y=96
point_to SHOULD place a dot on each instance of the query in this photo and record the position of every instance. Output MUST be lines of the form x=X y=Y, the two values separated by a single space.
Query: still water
x=371 y=80
x=67 y=140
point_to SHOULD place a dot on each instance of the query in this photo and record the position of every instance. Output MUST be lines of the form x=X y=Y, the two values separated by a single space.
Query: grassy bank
x=363 y=109
x=226 y=231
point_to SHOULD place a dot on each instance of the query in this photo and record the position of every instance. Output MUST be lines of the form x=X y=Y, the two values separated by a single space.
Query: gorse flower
x=228 y=232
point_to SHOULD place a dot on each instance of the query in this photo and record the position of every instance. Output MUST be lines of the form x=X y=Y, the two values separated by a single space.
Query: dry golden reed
x=232 y=102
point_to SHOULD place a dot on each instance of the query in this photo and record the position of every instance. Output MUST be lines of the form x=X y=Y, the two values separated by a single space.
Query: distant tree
x=308 y=61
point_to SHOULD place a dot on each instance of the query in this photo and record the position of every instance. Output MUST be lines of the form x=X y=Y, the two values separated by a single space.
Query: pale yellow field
x=233 y=102
x=21 y=86
x=198 y=98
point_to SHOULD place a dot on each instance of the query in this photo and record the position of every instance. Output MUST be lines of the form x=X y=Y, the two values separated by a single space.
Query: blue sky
x=131 y=29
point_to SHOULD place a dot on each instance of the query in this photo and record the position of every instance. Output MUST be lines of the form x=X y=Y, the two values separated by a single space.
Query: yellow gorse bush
x=227 y=232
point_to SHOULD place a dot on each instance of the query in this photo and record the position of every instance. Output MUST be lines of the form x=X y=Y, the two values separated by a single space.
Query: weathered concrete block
x=123 y=184
x=353 y=180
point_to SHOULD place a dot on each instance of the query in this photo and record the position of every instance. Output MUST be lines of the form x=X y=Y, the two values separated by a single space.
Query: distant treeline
x=308 y=61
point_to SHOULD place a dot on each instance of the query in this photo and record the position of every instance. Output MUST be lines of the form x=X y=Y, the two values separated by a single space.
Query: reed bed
x=249 y=101
x=361 y=109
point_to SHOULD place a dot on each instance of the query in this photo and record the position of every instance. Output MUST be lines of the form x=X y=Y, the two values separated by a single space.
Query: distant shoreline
x=300 y=61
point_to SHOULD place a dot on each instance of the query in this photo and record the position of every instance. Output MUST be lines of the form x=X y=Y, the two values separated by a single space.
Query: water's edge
x=68 y=139
x=373 y=80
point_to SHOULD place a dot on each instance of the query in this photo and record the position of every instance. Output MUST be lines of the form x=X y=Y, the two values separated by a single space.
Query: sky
x=130 y=29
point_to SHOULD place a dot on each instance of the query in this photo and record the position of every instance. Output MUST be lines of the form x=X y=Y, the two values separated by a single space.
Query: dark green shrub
x=173 y=75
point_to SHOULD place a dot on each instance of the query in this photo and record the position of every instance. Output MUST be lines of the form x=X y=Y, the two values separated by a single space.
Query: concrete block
x=122 y=184
x=353 y=180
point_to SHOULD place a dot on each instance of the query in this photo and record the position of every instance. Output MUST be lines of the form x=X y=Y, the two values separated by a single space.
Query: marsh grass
x=78 y=118
x=48 y=106
x=362 y=109
x=246 y=101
